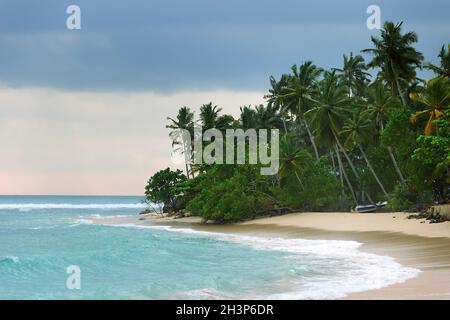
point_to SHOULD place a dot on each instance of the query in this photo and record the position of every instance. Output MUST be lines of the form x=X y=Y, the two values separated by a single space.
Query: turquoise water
x=41 y=236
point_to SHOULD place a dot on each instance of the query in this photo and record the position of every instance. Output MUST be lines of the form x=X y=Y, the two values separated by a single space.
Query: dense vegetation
x=347 y=138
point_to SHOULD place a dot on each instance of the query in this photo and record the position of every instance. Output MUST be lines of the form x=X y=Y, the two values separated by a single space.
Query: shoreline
x=411 y=242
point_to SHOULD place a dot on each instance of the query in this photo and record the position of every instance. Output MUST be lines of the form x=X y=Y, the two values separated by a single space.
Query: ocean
x=43 y=237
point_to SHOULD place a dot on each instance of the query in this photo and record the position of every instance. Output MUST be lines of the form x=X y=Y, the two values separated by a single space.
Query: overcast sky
x=83 y=111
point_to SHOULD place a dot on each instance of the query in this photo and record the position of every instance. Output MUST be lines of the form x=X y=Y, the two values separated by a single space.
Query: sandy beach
x=412 y=242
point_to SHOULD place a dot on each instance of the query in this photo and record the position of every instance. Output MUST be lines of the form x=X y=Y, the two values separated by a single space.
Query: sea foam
x=355 y=271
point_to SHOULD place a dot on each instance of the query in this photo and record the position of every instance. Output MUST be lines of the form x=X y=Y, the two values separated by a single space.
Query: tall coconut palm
x=274 y=96
x=293 y=158
x=330 y=106
x=394 y=54
x=381 y=103
x=443 y=70
x=434 y=102
x=276 y=91
x=295 y=96
x=354 y=74
x=183 y=121
x=247 y=118
x=209 y=115
x=210 y=118
x=357 y=131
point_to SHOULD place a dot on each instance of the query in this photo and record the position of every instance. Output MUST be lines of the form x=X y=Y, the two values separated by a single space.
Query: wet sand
x=413 y=243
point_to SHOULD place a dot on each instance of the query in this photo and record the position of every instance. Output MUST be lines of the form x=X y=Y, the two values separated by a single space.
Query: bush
x=404 y=197
x=322 y=191
x=162 y=187
x=228 y=193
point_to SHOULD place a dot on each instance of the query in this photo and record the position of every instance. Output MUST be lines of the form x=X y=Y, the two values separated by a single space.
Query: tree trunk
x=187 y=170
x=350 y=162
x=391 y=154
x=400 y=93
x=299 y=180
x=341 y=176
x=284 y=124
x=332 y=161
x=345 y=175
x=397 y=84
x=368 y=197
x=371 y=170
x=185 y=159
x=311 y=137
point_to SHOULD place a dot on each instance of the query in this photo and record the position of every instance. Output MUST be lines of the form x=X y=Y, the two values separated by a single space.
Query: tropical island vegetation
x=346 y=137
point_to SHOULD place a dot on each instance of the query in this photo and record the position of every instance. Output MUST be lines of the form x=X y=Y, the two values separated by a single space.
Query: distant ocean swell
x=37 y=206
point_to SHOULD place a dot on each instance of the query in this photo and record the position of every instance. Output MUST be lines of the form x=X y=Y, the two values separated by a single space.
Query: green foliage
x=229 y=193
x=322 y=191
x=376 y=128
x=402 y=198
x=399 y=133
x=432 y=156
x=162 y=188
x=406 y=197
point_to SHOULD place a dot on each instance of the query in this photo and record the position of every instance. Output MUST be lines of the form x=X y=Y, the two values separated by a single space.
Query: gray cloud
x=197 y=44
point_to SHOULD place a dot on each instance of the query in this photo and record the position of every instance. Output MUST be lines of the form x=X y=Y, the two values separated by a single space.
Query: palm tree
x=275 y=92
x=293 y=158
x=357 y=131
x=295 y=96
x=434 y=101
x=184 y=121
x=444 y=69
x=247 y=118
x=396 y=57
x=268 y=117
x=209 y=115
x=381 y=103
x=354 y=74
x=330 y=106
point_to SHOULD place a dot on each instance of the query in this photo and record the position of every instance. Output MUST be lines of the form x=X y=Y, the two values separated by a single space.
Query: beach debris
x=431 y=214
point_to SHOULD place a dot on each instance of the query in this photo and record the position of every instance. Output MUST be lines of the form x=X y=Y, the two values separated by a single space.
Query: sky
x=84 y=111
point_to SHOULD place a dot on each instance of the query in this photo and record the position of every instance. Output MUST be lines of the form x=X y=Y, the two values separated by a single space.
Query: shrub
x=162 y=188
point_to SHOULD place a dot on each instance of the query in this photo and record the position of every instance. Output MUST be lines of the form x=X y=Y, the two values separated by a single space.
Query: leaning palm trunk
x=299 y=180
x=350 y=162
x=341 y=176
x=400 y=93
x=371 y=170
x=391 y=154
x=332 y=161
x=369 y=197
x=284 y=125
x=311 y=137
x=345 y=174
